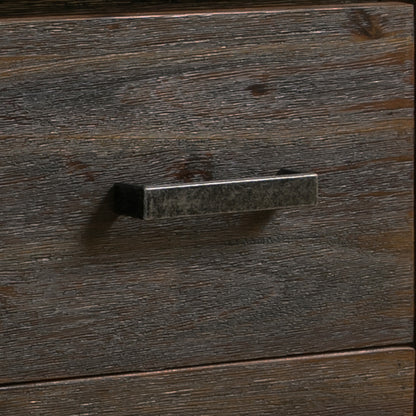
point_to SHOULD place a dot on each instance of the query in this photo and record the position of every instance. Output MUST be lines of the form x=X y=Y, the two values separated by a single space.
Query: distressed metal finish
x=241 y=195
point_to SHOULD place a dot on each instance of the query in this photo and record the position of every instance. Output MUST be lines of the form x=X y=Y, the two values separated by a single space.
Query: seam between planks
x=325 y=354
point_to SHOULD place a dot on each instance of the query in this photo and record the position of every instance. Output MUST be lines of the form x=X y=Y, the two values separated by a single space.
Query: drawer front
x=150 y=100
x=359 y=384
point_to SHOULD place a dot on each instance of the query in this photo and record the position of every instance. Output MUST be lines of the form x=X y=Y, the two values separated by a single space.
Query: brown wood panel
x=188 y=98
x=295 y=74
x=30 y=8
x=366 y=383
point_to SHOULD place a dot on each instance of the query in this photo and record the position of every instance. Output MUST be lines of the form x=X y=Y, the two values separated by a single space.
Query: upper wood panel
x=299 y=73
x=361 y=384
x=30 y=8
x=90 y=102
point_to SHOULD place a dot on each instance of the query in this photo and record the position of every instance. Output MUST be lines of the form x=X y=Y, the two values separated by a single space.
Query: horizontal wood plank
x=360 y=384
x=298 y=73
x=30 y=8
x=90 y=102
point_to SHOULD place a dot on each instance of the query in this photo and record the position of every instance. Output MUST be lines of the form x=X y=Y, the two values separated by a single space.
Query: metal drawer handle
x=241 y=195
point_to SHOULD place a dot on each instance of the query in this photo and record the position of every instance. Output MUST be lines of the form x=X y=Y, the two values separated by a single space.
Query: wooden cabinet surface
x=361 y=383
x=297 y=310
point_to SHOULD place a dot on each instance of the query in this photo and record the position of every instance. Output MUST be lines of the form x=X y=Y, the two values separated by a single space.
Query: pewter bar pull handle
x=240 y=195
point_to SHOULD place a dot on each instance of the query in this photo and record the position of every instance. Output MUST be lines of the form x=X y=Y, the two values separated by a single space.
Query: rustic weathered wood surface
x=29 y=8
x=378 y=382
x=86 y=103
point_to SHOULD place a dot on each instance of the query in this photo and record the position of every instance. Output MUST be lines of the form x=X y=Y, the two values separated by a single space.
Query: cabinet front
x=176 y=99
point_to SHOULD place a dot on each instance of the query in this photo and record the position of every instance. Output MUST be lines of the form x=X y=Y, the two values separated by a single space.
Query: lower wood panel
x=377 y=382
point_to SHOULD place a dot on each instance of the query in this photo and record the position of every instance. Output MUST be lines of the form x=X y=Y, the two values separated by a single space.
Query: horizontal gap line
x=33 y=383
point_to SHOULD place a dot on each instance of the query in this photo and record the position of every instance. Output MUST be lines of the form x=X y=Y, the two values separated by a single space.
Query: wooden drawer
x=88 y=102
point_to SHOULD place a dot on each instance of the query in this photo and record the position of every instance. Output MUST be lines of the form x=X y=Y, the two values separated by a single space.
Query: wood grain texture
x=366 y=383
x=90 y=102
x=298 y=73
x=30 y=8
